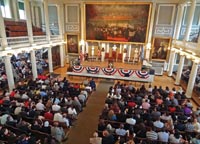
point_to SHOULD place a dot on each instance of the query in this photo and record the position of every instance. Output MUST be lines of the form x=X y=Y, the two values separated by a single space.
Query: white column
x=4 y=42
x=82 y=20
x=42 y=14
x=180 y=69
x=9 y=73
x=28 y=20
x=60 y=20
x=33 y=63
x=37 y=16
x=15 y=10
x=190 y=20
x=150 y=31
x=62 y=64
x=191 y=81
x=147 y=54
x=46 y=13
x=50 y=60
x=178 y=21
x=171 y=63
x=33 y=12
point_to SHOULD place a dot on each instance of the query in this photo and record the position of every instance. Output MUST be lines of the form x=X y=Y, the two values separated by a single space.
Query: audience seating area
x=42 y=111
x=21 y=68
x=148 y=116
x=16 y=29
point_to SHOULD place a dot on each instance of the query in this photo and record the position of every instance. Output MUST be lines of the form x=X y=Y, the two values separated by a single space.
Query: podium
x=110 y=64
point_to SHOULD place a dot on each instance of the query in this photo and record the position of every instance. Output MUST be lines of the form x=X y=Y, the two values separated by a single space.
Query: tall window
x=22 y=14
x=5 y=8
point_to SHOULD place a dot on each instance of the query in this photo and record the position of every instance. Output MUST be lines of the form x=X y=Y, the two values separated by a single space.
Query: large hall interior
x=99 y=72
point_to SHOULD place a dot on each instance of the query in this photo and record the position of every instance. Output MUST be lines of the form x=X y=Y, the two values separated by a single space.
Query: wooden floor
x=158 y=80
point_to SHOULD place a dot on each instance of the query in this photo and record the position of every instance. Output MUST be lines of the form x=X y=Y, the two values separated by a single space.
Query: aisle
x=88 y=119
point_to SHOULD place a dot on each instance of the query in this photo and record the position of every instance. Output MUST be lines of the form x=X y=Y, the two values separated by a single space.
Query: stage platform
x=118 y=71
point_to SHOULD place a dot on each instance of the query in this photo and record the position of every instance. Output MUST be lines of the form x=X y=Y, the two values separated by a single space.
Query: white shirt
x=58 y=117
x=40 y=106
x=72 y=111
x=55 y=107
x=158 y=124
x=66 y=120
x=130 y=121
x=25 y=96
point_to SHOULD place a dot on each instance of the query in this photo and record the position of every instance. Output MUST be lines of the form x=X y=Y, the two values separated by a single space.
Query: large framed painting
x=160 y=48
x=72 y=43
x=117 y=22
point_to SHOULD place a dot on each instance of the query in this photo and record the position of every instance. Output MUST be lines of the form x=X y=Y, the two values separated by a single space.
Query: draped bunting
x=92 y=70
x=109 y=71
x=142 y=74
x=78 y=69
x=125 y=73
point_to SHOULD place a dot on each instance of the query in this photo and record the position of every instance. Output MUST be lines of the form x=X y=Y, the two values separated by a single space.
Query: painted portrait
x=72 y=43
x=118 y=22
x=160 y=48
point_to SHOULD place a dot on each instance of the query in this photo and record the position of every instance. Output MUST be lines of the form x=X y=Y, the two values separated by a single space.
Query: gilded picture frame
x=118 y=22
x=160 y=48
x=72 y=45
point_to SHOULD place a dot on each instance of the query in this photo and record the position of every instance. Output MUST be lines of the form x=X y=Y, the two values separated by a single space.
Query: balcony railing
x=55 y=38
x=40 y=39
x=18 y=41
x=189 y=46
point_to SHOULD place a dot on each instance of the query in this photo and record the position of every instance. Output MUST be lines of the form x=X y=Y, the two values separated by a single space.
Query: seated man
x=92 y=84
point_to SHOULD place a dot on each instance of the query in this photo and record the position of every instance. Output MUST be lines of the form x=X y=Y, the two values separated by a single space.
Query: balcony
x=187 y=46
x=20 y=42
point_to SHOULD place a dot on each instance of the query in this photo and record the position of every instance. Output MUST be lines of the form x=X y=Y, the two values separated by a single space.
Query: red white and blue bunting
x=142 y=74
x=109 y=71
x=77 y=69
x=92 y=70
x=125 y=73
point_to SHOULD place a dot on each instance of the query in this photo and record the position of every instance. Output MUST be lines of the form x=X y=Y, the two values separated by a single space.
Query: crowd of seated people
x=40 y=110
x=3 y=77
x=21 y=66
x=186 y=75
x=147 y=115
